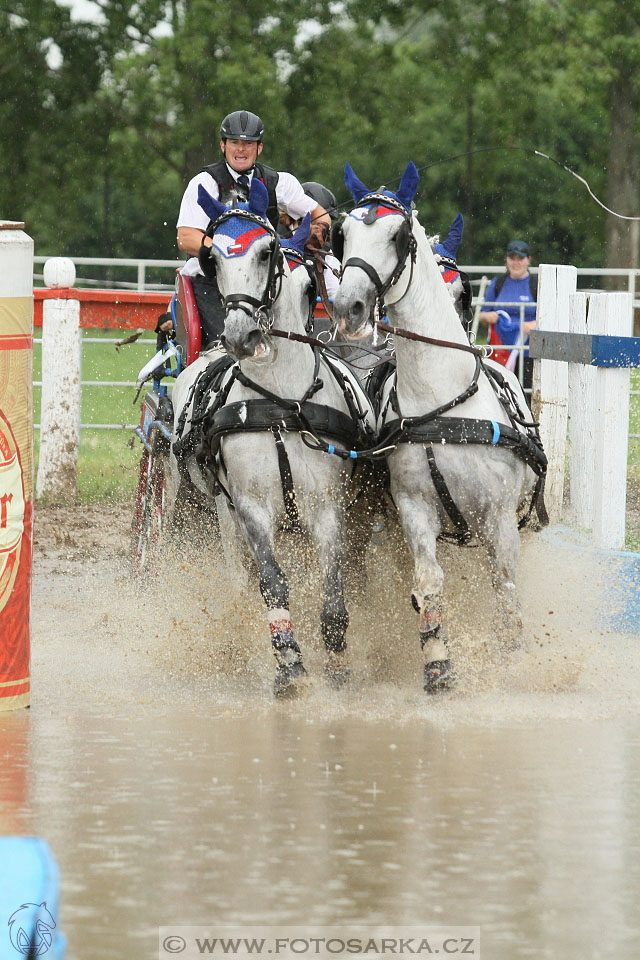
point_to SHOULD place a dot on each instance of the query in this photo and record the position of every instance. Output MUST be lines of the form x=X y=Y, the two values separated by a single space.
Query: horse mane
x=442 y=298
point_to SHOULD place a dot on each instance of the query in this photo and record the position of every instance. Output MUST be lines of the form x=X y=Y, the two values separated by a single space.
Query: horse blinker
x=402 y=240
x=337 y=239
x=207 y=262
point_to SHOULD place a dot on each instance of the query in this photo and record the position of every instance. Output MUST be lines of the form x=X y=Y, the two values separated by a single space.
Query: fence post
x=582 y=418
x=611 y=314
x=61 y=388
x=16 y=461
x=550 y=379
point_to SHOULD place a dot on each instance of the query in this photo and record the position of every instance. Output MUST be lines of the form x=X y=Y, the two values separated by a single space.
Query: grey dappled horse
x=386 y=257
x=259 y=290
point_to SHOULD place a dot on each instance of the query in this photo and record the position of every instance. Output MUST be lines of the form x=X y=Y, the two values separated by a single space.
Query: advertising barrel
x=16 y=462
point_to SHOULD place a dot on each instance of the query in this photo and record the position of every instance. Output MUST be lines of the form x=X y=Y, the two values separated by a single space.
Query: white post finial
x=61 y=387
x=59 y=272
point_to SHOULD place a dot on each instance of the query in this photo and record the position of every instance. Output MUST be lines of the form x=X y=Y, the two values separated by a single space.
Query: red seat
x=188 y=328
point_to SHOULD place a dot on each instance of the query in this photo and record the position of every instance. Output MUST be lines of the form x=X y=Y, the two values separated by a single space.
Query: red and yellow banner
x=16 y=498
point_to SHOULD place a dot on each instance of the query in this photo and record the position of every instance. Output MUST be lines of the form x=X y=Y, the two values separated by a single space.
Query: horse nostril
x=357 y=311
x=223 y=341
x=253 y=339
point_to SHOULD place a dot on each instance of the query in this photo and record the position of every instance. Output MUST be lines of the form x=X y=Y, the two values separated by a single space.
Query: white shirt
x=289 y=194
x=330 y=280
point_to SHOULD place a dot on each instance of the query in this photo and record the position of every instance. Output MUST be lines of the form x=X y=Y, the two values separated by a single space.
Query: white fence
x=629 y=276
x=584 y=410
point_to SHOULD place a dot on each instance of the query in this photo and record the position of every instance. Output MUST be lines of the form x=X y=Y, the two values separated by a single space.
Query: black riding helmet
x=242 y=125
x=323 y=196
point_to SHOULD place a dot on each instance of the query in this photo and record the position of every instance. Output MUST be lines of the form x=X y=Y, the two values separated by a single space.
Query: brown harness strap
x=322 y=287
x=408 y=335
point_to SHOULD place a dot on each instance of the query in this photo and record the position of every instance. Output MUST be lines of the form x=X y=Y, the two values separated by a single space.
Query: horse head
x=247 y=262
x=375 y=242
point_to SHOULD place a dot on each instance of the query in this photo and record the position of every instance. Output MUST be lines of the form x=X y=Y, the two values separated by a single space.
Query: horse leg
x=502 y=541
x=327 y=532
x=421 y=527
x=274 y=587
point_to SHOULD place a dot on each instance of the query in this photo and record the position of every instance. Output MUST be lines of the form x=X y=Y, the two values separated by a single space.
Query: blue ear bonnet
x=299 y=238
x=450 y=246
x=404 y=194
x=235 y=234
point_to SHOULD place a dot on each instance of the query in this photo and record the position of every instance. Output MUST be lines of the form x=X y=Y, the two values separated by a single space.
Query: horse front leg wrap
x=286 y=650
x=433 y=638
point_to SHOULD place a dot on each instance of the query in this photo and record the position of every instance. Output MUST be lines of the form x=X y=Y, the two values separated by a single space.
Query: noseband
x=258 y=310
x=407 y=248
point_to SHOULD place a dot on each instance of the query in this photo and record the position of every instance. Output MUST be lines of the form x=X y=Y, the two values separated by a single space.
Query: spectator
x=516 y=285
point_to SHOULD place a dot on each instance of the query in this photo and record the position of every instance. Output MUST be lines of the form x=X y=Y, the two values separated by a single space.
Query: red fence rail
x=104 y=309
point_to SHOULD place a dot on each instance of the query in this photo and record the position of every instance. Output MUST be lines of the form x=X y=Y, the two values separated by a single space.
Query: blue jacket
x=517 y=291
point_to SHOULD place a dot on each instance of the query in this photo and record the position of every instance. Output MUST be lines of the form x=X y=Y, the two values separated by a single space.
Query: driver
x=227 y=180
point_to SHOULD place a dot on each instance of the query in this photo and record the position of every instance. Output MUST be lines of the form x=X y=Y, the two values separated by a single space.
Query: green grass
x=108 y=460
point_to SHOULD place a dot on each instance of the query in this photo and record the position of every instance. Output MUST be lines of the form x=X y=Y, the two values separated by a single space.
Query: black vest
x=230 y=190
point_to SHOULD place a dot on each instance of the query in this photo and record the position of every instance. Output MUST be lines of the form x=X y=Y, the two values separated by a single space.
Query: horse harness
x=210 y=422
x=520 y=435
x=406 y=245
x=243 y=301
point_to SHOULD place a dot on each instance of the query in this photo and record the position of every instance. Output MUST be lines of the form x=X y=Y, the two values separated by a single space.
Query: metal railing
x=139 y=265
x=142 y=265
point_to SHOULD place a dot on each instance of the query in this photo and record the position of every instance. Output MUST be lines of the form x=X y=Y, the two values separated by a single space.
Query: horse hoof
x=438 y=675
x=337 y=675
x=288 y=680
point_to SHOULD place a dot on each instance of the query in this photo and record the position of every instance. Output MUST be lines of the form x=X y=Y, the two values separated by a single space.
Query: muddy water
x=174 y=791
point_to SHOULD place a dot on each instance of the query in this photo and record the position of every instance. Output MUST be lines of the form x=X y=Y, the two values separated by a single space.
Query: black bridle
x=408 y=247
x=258 y=309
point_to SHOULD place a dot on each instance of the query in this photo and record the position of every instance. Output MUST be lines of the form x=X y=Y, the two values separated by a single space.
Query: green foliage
x=103 y=123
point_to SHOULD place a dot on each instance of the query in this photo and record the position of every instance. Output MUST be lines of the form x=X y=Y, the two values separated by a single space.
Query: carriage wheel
x=148 y=519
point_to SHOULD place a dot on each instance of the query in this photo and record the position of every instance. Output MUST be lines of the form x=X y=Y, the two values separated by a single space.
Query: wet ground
x=173 y=790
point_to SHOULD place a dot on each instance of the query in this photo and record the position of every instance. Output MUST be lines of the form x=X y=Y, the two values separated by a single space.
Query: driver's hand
x=318 y=236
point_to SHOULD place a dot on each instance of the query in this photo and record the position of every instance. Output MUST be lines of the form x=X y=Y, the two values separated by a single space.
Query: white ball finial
x=59 y=272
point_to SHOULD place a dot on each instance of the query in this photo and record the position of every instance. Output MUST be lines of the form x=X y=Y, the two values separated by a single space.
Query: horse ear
x=258 y=197
x=409 y=184
x=355 y=186
x=299 y=238
x=212 y=207
x=451 y=244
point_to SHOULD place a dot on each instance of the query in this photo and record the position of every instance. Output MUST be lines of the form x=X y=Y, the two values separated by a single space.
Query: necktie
x=243 y=180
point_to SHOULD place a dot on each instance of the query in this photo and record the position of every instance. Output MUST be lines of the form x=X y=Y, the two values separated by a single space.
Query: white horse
x=281 y=393
x=441 y=392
